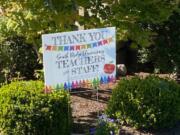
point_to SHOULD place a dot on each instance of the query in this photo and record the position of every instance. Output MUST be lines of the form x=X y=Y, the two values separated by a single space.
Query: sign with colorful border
x=77 y=58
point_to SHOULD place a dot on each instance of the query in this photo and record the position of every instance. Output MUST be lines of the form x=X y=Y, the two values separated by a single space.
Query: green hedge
x=152 y=102
x=26 y=110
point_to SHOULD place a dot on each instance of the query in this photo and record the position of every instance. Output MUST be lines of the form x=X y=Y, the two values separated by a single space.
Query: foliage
x=35 y=17
x=132 y=18
x=4 y=61
x=17 y=58
x=152 y=102
x=39 y=74
x=107 y=126
x=145 y=63
x=144 y=55
x=25 y=109
x=164 y=53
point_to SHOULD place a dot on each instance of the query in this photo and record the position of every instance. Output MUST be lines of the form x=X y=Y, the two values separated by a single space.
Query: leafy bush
x=152 y=102
x=18 y=58
x=39 y=74
x=26 y=109
x=164 y=55
x=166 y=52
x=107 y=126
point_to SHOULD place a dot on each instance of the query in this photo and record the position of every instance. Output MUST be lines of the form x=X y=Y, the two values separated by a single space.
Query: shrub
x=164 y=54
x=107 y=126
x=18 y=58
x=26 y=110
x=39 y=74
x=152 y=102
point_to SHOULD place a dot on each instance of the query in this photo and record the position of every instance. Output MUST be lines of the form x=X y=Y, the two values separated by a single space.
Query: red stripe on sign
x=48 y=48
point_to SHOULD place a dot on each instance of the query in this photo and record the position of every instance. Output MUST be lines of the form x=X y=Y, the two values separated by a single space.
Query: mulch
x=86 y=109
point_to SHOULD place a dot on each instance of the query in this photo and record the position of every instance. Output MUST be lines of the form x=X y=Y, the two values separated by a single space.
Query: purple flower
x=112 y=133
x=103 y=117
x=111 y=120
x=92 y=131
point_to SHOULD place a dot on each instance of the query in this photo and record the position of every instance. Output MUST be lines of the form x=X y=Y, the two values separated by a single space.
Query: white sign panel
x=78 y=57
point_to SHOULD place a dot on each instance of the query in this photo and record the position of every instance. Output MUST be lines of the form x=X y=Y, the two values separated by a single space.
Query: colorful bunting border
x=81 y=83
x=78 y=47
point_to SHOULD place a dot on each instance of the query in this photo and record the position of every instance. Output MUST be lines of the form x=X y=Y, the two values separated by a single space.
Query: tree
x=132 y=18
x=17 y=59
x=32 y=18
x=166 y=52
x=29 y=19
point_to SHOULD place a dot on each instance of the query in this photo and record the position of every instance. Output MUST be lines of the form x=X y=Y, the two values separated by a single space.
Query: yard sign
x=72 y=59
